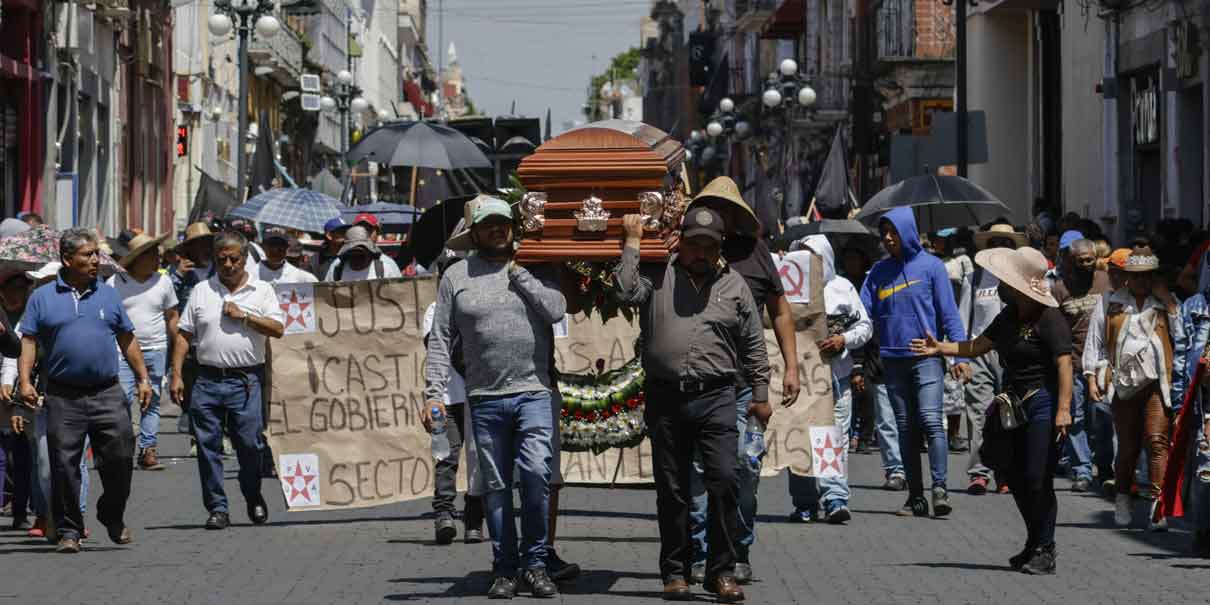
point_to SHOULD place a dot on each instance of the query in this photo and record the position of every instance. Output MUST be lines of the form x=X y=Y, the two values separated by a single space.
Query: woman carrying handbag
x=1033 y=341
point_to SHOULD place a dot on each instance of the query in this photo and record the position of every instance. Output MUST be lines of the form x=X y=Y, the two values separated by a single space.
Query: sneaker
x=1019 y=560
x=444 y=530
x=22 y=524
x=1041 y=562
x=838 y=515
x=538 y=583
x=1081 y=486
x=472 y=535
x=977 y=486
x=1152 y=524
x=1109 y=488
x=697 y=573
x=914 y=507
x=801 y=515
x=560 y=570
x=503 y=588
x=941 y=502
x=895 y=483
x=743 y=574
x=1002 y=488
x=1122 y=513
x=149 y=460
x=69 y=546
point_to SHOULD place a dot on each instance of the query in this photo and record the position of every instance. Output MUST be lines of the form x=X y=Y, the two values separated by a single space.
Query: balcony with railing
x=284 y=52
x=915 y=30
x=750 y=15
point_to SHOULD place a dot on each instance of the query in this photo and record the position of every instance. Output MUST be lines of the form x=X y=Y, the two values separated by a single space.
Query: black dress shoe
x=258 y=513
x=560 y=570
x=1019 y=560
x=120 y=535
x=218 y=520
x=503 y=588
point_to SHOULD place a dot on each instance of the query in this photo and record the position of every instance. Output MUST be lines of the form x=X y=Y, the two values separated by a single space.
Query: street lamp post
x=346 y=97
x=246 y=16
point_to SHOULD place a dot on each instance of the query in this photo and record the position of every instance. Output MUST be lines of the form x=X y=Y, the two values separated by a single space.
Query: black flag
x=832 y=189
x=213 y=200
x=264 y=168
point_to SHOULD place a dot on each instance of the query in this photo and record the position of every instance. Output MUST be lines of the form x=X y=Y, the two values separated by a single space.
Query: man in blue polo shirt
x=69 y=321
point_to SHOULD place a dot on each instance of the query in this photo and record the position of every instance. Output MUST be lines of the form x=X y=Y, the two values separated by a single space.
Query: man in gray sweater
x=504 y=316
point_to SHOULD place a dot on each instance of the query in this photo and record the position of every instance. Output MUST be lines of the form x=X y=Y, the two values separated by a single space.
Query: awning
x=12 y=68
x=787 y=22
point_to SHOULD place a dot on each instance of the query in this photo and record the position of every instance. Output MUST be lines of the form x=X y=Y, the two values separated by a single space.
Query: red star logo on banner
x=295 y=491
x=836 y=452
x=294 y=302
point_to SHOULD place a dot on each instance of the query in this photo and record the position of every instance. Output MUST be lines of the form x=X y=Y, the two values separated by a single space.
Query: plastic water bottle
x=441 y=440
x=754 y=444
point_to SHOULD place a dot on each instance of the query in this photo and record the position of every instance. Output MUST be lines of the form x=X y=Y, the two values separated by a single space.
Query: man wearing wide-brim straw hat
x=194 y=267
x=745 y=253
x=1000 y=235
x=1033 y=341
x=150 y=300
x=1132 y=336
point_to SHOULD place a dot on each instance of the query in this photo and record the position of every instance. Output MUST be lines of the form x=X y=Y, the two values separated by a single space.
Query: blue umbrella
x=300 y=209
x=391 y=217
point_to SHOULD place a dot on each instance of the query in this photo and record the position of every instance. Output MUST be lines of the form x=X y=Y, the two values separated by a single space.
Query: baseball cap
x=276 y=233
x=335 y=224
x=491 y=206
x=367 y=218
x=702 y=221
x=294 y=247
x=1068 y=238
x=1118 y=257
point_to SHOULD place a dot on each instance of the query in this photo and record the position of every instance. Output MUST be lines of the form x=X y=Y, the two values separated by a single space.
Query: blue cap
x=335 y=224
x=1068 y=237
x=948 y=232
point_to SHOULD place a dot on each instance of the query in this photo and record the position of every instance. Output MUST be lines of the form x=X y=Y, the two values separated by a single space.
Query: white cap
x=45 y=271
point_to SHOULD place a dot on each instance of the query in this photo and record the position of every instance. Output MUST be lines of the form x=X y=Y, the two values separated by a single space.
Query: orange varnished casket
x=580 y=184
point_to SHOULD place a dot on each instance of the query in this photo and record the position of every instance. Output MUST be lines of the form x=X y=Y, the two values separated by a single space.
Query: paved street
x=387 y=554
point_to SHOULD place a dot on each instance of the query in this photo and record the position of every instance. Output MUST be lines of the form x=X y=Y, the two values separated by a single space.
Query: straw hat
x=1023 y=270
x=1001 y=231
x=197 y=231
x=137 y=246
x=1141 y=260
x=722 y=195
x=461 y=240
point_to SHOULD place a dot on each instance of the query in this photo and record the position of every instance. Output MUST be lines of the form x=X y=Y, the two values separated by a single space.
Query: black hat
x=701 y=220
x=276 y=233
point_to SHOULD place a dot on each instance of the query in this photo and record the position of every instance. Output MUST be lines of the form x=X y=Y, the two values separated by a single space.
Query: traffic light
x=182 y=141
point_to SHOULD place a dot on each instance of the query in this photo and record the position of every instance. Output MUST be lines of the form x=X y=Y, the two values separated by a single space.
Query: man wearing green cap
x=504 y=315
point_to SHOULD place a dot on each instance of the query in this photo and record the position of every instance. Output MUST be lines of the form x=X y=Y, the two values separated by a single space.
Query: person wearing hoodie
x=849 y=328
x=908 y=296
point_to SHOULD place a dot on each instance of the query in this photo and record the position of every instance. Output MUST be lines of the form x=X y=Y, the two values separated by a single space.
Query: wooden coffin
x=581 y=183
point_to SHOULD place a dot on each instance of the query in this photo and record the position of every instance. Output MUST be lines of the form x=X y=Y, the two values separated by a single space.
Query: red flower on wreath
x=579 y=415
x=563 y=413
x=617 y=409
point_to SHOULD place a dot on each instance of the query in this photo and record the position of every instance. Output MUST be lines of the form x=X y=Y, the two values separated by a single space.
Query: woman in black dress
x=1034 y=343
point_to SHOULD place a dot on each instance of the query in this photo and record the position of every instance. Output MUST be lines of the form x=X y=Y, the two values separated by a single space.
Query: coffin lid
x=609 y=146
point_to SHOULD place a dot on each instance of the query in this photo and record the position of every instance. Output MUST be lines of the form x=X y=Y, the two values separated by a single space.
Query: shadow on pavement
x=606 y=514
x=965 y=566
x=300 y=522
x=588 y=583
x=607 y=539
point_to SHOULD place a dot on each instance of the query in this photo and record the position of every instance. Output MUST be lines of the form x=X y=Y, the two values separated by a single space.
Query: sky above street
x=539 y=53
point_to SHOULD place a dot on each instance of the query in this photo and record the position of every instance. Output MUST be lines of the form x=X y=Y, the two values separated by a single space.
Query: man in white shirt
x=275 y=269
x=150 y=300
x=361 y=259
x=228 y=318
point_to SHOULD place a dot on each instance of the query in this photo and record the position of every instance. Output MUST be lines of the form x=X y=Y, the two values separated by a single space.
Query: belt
x=61 y=387
x=696 y=386
x=216 y=372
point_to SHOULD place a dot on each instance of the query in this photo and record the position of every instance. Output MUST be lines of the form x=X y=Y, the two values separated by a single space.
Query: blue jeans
x=915 y=388
x=39 y=488
x=888 y=432
x=233 y=402
x=805 y=492
x=515 y=431
x=149 y=421
x=1076 y=449
x=747 y=481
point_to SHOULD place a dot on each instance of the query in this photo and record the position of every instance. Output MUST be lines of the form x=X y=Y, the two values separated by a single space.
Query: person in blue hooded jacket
x=908 y=295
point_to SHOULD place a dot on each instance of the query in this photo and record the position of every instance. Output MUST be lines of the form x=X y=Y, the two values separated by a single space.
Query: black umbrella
x=434 y=227
x=419 y=144
x=841 y=233
x=938 y=201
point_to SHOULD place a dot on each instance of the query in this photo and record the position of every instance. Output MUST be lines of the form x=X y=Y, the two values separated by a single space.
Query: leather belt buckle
x=690 y=386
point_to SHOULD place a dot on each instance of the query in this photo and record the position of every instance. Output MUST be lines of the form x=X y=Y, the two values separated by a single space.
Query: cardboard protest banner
x=348 y=381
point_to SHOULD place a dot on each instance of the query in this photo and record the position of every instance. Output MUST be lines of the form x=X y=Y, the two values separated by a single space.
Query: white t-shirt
x=223 y=342
x=455 y=388
x=146 y=303
x=288 y=274
x=389 y=270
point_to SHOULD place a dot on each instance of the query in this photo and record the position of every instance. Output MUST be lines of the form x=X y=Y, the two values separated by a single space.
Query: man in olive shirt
x=700 y=332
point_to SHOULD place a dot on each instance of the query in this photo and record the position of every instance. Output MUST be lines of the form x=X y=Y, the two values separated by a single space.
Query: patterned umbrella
x=301 y=209
x=31 y=249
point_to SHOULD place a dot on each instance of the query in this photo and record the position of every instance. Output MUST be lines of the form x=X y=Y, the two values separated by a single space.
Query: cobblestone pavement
x=387 y=553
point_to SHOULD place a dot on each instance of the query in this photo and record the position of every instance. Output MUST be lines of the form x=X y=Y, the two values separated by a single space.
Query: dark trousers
x=232 y=401
x=679 y=423
x=19 y=470
x=1032 y=477
x=101 y=415
x=445 y=485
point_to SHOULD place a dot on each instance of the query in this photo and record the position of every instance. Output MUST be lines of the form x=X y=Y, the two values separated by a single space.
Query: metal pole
x=960 y=85
x=241 y=165
x=344 y=134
